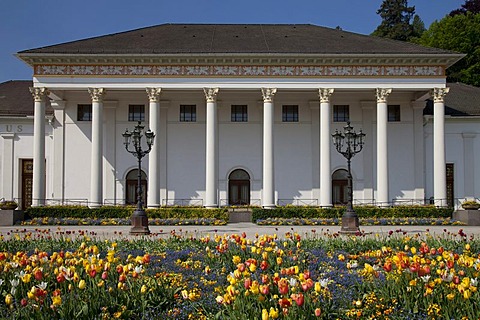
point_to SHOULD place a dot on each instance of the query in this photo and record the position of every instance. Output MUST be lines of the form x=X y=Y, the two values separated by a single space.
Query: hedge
x=124 y=212
x=362 y=212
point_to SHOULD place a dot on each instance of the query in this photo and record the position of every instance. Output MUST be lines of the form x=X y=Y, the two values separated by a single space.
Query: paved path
x=250 y=229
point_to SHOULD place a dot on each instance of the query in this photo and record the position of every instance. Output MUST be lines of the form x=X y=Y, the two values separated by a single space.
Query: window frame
x=290 y=113
x=394 y=113
x=134 y=114
x=189 y=115
x=84 y=109
x=344 y=115
x=239 y=113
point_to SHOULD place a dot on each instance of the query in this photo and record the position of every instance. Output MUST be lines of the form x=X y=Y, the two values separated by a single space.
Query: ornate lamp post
x=349 y=143
x=139 y=217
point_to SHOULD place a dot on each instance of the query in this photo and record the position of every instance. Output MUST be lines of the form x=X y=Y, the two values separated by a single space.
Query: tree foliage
x=459 y=33
x=472 y=6
x=396 y=16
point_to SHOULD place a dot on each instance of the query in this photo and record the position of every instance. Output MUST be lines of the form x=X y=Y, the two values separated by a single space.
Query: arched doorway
x=238 y=188
x=340 y=187
x=131 y=187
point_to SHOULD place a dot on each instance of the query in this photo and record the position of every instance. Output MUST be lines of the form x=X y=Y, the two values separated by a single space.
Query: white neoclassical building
x=243 y=114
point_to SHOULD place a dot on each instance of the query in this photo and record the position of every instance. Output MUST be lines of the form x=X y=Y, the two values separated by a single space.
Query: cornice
x=243 y=59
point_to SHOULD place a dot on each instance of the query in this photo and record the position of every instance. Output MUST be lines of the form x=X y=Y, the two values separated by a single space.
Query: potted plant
x=8 y=205
x=470 y=205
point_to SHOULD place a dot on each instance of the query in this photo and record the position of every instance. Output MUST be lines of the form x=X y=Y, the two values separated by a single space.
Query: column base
x=211 y=206
x=269 y=206
x=155 y=205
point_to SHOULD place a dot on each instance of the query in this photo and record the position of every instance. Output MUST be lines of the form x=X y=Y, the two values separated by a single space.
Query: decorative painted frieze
x=239 y=71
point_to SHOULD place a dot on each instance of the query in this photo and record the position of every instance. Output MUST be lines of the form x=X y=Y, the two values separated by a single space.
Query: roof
x=462 y=100
x=236 y=39
x=16 y=99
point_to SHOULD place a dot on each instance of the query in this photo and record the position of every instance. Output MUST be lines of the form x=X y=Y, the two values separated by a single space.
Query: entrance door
x=27 y=183
x=340 y=187
x=238 y=188
x=450 y=184
x=131 y=187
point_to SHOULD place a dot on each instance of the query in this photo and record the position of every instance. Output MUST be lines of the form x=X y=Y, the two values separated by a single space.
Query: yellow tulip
x=82 y=284
x=8 y=299
x=265 y=314
x=57 y=300
x=143 y=289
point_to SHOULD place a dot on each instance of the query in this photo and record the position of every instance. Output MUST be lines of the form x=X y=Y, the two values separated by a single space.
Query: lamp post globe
x=139 y=217
x=349 y=143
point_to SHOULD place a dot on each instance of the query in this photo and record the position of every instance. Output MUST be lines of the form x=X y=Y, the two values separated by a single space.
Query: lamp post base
x=139 y=223
x=350 y=224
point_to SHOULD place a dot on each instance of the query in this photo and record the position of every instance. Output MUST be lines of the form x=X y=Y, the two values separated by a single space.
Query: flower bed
x=323 y=276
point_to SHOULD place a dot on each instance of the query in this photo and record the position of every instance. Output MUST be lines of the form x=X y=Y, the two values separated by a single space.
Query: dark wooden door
x=450 y=184
x=239 y=192
x=27 y=183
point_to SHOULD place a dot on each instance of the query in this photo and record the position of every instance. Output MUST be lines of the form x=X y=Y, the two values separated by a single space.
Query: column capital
x=211 y=94
x=96 y=94
x=324 y=94
x=153 y=94
x=438 y=94
x=382 y=94
x=39 y=93
x=268 y=94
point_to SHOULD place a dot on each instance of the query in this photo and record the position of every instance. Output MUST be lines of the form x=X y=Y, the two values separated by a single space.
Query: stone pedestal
x=470 y=217
x=10 y=217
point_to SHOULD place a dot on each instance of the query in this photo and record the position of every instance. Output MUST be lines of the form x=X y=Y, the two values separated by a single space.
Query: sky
x=29 y=24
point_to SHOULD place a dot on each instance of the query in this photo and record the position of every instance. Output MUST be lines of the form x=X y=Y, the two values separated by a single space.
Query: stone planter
x=8 y=206
x=470 y=206
x=470 y=217
x=10 y=217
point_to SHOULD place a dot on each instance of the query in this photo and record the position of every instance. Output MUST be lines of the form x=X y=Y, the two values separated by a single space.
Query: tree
x=460 y=33
x=396 y=16
x=472 y=6
x=418 y=27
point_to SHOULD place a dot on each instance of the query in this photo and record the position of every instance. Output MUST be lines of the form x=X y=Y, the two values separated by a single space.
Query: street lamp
x=349 y=143
x=139 y=217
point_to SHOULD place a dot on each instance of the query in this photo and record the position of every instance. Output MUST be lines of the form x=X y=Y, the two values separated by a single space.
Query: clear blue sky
x=28 y=24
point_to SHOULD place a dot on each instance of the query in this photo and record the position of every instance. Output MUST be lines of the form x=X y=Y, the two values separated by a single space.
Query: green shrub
x=362 y=211
x=124 y=212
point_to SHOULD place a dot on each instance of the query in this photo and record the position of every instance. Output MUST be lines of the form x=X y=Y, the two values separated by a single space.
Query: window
x=393 y=113
x=136 y=112
x=239 y=113
x=84 y=112
x=188 y=113
x=290 y=114
x=341 y=113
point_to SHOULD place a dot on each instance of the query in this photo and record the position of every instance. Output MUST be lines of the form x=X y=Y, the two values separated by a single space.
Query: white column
x=382 y=146
x=211 y=188
x=439 y=163
x=96 y=178
x=268 y=197
x=38 y=188
x=325 y=140
x=153 y=195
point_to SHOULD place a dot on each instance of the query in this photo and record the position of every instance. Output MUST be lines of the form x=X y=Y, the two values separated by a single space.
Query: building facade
x=243 y=114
